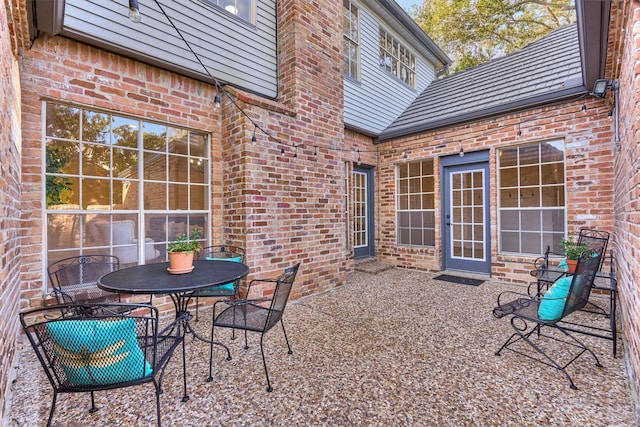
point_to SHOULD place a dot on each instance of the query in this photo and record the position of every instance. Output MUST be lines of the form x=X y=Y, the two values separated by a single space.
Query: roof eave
x=593 y=22
x=523 y=104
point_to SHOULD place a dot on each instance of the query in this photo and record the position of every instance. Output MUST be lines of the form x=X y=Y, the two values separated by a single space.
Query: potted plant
x=572 y=251
x=181 y=250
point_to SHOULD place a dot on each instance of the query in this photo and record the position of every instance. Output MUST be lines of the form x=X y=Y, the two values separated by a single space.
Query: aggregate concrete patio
x=390 y=348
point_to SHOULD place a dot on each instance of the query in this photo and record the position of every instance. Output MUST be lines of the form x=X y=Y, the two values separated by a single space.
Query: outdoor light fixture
x=600 y=89
x=134 y=11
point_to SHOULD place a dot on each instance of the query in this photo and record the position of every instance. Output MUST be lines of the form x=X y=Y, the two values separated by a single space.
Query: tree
x=475 y=31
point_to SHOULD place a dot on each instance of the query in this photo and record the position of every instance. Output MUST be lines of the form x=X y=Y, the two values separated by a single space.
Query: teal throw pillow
x=98 y=351
x=226 y=286
x=553 y=301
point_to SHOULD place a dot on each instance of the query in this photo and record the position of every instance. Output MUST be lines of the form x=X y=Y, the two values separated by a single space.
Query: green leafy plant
x=571 y=248
x=186 y=243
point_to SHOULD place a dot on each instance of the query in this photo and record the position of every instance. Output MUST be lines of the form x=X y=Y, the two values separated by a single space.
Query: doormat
x=458 y=279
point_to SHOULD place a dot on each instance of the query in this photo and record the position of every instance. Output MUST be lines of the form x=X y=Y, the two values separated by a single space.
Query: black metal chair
x=228 y=290
x=527 y=317
x=89 y=348
x=544 y=272
x=256 y=315
x=605 y=281
x=74 y=279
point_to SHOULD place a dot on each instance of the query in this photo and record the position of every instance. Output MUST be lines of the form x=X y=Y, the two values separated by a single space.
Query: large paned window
x=531 y=197
x=397 y=59
x=120 y=185
x=243 y=9
x=351 y=39
x=415 y=203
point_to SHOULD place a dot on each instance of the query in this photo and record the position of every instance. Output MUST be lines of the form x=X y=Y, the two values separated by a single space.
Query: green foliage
x=571 y=248
x=186 y=243
x=475 y=31
x=56 y=186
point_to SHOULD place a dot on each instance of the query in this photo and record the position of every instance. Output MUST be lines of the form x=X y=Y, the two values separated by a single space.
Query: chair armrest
x=516 y=301
x=240 y=302
x=62 y=297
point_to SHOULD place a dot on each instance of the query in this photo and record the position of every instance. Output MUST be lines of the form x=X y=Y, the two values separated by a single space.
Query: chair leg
x=612 y=319
x=264 y=363
x=158 y=393
x=53 y=407
x=93 y=404
x=285 y=337
x=196 y=319
x=547 y=360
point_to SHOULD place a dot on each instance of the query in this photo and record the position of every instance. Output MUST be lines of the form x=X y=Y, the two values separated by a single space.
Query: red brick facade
x=282 y=208
x=10 y=198
x=589 y=173
x=623 y=64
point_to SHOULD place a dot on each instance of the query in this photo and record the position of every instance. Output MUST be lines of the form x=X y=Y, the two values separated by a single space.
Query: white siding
x=378 y=98
x=232 y=51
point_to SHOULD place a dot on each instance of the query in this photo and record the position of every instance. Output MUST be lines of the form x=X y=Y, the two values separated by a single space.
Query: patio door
x=466 y=223
x=363 y=242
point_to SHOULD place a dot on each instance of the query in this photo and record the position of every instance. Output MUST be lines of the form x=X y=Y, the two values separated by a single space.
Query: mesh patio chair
x=530 y=315
x=605 y=281
x=99 y=347
x=592 y=238
x=74 y=279
x=256 y=315
x=223 y=253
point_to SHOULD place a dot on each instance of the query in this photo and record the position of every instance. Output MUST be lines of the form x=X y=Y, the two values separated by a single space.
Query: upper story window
x=121 y=185
x=351 y=40
x=243 y=9
x=531 y=197
x=415 y=203
x=397 y=59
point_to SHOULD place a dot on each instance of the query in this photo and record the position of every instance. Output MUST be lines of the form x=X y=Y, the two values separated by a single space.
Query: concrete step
x=372 y=266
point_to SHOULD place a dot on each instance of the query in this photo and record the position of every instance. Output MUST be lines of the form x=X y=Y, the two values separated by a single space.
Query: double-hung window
x=531 y=197
x=396 y=59
x=351 y=39
x=415 y=203
x=121 y=185
x=242 y=9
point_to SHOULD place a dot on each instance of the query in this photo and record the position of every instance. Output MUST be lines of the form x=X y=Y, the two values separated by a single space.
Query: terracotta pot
x=180 y=262
x=571 y=265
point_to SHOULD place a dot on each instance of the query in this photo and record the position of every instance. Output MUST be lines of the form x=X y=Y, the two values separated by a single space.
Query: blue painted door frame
x=465 y=216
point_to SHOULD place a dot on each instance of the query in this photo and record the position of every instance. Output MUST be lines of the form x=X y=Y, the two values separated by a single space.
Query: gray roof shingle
x=544 y=71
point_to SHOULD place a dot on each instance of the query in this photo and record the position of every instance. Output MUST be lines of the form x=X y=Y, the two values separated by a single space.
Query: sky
x=406 y=4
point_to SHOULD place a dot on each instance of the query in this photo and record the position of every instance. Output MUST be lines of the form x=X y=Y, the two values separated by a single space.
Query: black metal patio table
x=154 y=279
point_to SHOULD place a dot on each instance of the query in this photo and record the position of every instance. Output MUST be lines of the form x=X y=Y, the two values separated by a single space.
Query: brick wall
x=10 y=224
x=290 y=185
x=281 y=208
x=589 y=174
x=624 y=64
x=60 y=69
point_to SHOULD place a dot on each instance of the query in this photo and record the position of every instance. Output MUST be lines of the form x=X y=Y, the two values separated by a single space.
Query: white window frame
x=165 y=224
x=414 y=205
x=352 y=40
x=396 y=59
x=549 y=234
x=230 y=7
